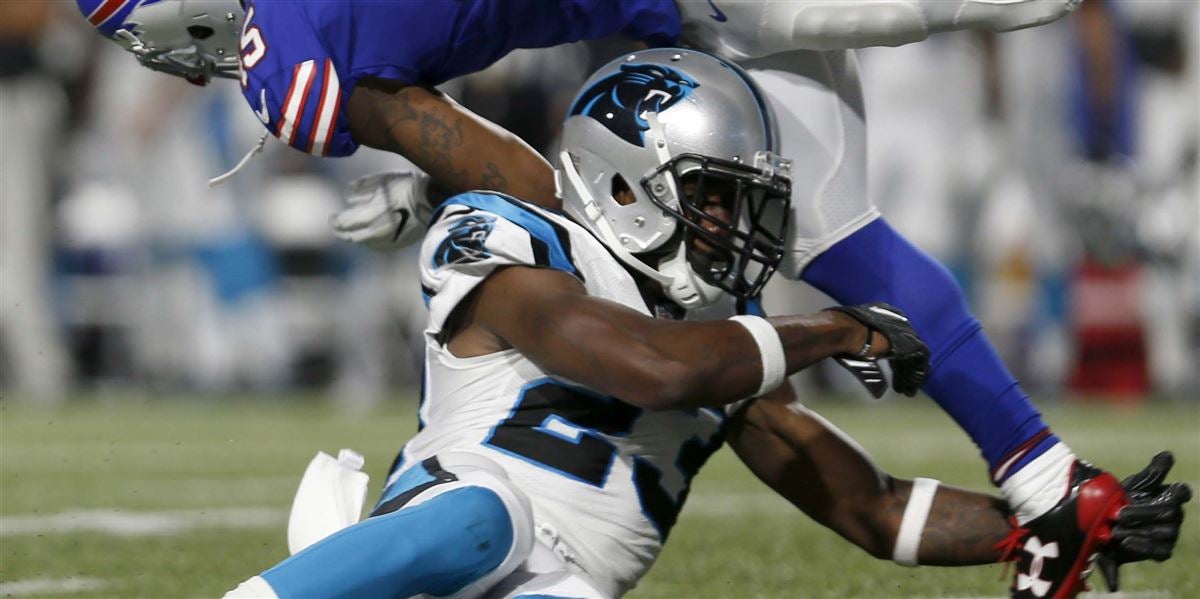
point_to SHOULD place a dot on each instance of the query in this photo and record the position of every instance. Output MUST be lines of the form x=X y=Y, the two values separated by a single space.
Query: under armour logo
x=1033 y=581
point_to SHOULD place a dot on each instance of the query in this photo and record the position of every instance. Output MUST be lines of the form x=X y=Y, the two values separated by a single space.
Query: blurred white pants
x=817 y=101
x=30 y=340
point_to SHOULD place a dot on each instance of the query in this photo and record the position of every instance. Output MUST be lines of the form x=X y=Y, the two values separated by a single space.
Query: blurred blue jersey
x=302 y=58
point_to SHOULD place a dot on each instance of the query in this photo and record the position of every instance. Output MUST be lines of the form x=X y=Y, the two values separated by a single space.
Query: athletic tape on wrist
x=908 y=540
x=770 y=348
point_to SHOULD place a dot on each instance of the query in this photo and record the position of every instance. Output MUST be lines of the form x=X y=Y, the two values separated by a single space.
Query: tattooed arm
x=828 y=476
x=457 y=148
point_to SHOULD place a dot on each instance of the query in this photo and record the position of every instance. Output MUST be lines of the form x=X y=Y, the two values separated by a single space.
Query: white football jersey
x=605 y=477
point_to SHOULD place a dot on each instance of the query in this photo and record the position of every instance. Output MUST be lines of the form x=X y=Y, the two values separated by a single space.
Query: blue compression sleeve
x=437 y=547
x=966 y=378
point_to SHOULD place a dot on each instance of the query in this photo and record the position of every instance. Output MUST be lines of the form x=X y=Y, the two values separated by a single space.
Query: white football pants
x=799 y=53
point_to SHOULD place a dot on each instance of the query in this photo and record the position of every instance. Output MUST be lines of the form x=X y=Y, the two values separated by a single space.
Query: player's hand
x=906 y=352
x=1149 y=526
x=384 y=211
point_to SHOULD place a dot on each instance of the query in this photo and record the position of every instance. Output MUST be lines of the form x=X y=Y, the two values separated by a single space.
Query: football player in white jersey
x=568 y=398
x=798 y=53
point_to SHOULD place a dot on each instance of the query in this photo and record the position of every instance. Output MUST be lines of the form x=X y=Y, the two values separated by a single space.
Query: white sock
x=1040 y=485
x=255 y=588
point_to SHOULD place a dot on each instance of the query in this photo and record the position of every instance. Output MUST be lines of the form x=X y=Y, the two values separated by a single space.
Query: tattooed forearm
x=493 y=179
x=400 y=107
x=963 y=527
x=440 y=140
x=454 y=146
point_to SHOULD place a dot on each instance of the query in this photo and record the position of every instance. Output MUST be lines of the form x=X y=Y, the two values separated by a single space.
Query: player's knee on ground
x=451 y=526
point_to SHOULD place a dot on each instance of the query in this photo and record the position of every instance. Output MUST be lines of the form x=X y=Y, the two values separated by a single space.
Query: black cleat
x=1057 y=551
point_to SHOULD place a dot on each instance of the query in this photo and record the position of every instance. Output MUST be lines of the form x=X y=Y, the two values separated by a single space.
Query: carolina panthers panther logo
x=621 y=100
x=465 y=241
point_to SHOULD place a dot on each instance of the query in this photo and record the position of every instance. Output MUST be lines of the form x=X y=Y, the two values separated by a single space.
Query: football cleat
x=1057 y=551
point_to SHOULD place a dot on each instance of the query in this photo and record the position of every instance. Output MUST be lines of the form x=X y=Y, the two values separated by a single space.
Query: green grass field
x=186 y=498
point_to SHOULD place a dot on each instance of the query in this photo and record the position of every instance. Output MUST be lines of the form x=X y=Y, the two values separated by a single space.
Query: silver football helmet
x=193 y=39
x=648 y=143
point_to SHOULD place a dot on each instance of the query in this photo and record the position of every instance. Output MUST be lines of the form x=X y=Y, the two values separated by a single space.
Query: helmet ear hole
x=200 y=32
x=621 y=192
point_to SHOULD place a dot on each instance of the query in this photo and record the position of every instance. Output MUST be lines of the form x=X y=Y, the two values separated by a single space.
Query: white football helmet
x=654 y=124
x=193 y=39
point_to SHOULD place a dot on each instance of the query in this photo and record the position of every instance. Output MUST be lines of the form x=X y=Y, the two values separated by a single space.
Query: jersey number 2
x=560 y=428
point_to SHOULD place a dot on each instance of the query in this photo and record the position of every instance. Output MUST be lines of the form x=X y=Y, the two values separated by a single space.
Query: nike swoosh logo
x=403 y=212
x=717 y=15
x=261 y=112
x=888 y=313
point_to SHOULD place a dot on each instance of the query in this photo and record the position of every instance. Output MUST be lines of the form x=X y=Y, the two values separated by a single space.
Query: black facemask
x=740 y=254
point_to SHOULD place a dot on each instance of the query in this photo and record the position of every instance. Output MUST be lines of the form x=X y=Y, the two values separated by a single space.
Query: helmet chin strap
x=676 y=277
x=687 y=288
x=258 y=147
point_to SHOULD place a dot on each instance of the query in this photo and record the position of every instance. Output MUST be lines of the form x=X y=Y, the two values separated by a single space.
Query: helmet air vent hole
x=621 y=193
x=200 y=32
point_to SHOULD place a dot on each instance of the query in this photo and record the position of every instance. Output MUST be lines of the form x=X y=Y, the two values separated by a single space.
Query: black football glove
x=908 y=355
x=1149 y=526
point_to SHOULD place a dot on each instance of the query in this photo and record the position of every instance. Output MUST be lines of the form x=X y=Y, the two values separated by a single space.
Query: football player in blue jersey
x=529 y=477
x=327 y=76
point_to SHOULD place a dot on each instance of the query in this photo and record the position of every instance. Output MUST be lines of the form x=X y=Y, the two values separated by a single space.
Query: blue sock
x=966 y=378
x=436 y=547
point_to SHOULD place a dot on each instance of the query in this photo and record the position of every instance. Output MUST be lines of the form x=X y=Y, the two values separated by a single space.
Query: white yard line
x=135 y=524
x=50 y=586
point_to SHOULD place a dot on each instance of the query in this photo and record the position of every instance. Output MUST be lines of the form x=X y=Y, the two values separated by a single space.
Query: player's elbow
x=665 y=385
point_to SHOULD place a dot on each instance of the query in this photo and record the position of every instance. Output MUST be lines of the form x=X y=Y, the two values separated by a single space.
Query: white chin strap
x=676 y=276
x=687 y=288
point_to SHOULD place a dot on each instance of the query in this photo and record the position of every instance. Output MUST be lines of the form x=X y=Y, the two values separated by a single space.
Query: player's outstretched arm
x=456 y=147
x=753 y=29
x=830 y=478
x=652 y=363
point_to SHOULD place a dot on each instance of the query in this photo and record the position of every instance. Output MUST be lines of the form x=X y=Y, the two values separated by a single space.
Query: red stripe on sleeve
x=287 y=100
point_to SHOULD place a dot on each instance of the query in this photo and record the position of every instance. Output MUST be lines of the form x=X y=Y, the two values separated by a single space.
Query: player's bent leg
x=451 y=526
x=966 y=378
x=834 y=230
x=741 y=29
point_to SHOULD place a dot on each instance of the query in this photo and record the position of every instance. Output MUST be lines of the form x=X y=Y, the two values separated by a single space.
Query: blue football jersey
x=302 y=58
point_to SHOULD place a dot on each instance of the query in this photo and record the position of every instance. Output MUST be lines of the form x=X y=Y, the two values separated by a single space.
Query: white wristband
x=770 y=349
x=908 y=539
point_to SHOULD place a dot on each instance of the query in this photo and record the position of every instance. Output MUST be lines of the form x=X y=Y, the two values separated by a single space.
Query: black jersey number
x=556 y=427
x=561 y=429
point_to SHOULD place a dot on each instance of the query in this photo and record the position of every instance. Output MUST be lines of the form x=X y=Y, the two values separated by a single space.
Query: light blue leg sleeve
x=438 y=547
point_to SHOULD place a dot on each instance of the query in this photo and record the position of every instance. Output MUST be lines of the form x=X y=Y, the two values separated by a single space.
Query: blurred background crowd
x=1053 y=170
